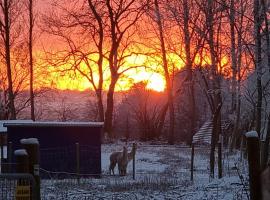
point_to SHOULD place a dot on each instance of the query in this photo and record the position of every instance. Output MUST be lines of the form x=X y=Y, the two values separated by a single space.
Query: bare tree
x=7 y=10
x=81 y=27
x=31 y=65
x=157 y=18
x=144 y=110
x=258 y=61
x=186 y=22
x=123 y=17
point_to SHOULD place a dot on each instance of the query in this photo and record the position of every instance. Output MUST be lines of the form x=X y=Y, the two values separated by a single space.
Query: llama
x=116 y=158
x=122 y=163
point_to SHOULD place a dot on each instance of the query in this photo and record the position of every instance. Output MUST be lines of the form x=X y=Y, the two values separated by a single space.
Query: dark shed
x=57 y=144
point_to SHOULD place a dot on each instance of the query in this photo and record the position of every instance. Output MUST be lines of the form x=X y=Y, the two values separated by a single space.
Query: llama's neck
x=131 y=153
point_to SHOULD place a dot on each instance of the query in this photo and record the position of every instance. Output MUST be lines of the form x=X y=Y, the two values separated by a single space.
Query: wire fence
x=81 y=159
x=10 y=183
x=161 y=172
x=171 y=181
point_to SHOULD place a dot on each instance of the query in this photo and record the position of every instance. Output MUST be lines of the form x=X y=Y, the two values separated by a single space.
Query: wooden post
x=241 y=148
x=253 y=150
x=219 y=160
x=133 y=161
x=22 y=161
x=22 y=166
x=192 y=162
x=220 y=157
x=9 y=157
x=2 y=151
x=32 y=147
x=78 y=162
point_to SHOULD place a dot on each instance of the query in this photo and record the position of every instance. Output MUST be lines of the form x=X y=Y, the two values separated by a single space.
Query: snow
x=20 y=152
x=4 y=122
x=251 y=134
x=29 y=141
x=162 y=172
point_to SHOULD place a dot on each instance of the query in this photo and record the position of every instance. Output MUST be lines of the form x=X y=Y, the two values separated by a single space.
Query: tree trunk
x=188 y=62
x=100 y=61
x=233 y=55
x=214 y=138
x=11 y=97
x=100 y=106
x=30 y=46
x=266 y=146
x=258 y=59
x=110 y=108
x=167 y=75
x=161 y=119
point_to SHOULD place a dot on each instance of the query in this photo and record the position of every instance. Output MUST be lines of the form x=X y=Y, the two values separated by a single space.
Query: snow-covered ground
x=162 y=172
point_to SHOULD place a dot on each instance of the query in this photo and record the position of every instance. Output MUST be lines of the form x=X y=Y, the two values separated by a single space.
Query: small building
x=204 y=134
x=58 y=149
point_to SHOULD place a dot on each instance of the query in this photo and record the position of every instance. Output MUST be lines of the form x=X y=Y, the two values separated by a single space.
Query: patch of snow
x=3 y=128
x=20 y=152
x=251 y=134
x=29 y=141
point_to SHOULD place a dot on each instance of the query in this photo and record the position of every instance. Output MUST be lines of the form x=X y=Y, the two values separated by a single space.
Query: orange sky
x=151 y=72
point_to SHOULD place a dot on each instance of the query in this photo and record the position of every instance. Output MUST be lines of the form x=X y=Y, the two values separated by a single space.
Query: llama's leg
x=125 y=170
x=120 y=171
x=111 y=168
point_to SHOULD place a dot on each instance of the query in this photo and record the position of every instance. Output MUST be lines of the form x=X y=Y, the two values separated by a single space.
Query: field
x=162 y=172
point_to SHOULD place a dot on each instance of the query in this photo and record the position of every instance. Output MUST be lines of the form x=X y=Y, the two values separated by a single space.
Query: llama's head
x=134 y=147
x=125 y=151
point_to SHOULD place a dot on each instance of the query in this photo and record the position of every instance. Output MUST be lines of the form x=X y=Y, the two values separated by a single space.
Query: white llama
x=118 y=158
x=122 y=159
x=122 y=163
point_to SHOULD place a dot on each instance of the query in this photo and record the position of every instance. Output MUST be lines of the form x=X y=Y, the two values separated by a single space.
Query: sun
x=156 y=82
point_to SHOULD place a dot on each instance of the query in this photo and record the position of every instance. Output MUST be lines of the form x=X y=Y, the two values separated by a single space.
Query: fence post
x=192 y=162
x=78 y=162
x=32 y=147
x=2 y=147
x=133 y=161
x=9 y=156
x=22 y=164
x=220 y=157
x=22 y=161
x=253 y=151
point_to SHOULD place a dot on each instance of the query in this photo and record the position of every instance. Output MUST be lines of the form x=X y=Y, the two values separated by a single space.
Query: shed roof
x=54 y=124
x=3 y=129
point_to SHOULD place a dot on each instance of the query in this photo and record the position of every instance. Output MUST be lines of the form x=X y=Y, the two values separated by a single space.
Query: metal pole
x=219 y=159
x=133 y=162
x=192 y=162
x=78 y=162
x=9 y=156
